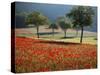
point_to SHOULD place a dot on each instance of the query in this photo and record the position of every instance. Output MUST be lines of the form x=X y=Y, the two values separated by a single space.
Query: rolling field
x=34 y=55
x=46 y=34
x=50 y=53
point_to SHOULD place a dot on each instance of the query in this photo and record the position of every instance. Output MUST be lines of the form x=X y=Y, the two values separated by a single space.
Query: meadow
x=49 y=53
x=46 y=34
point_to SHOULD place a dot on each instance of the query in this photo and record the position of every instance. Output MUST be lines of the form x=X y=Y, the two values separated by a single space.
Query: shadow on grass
x=71 y=37
x=47 y=33
x=59 y=42
x=95 y=38
x=87 y=36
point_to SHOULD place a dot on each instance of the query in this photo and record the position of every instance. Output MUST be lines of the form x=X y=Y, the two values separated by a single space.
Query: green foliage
x=53 y=26
x=64 y=23
x=81 y=15
x=36 y=18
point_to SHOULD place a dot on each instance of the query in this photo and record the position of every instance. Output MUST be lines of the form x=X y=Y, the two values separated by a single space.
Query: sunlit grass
x=88 y=37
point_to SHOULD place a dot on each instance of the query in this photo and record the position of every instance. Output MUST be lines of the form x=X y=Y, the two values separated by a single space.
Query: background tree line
x=78 y=18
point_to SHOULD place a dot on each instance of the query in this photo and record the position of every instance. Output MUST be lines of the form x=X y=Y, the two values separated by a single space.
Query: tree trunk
x=65 y=33
x=37 y=31
x=81 y=38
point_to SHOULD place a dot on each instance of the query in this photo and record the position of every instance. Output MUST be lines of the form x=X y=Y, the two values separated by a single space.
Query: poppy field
x=36 y=55
x=53 y=37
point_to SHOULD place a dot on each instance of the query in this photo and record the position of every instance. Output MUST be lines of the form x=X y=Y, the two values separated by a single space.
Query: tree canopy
x=81 y=16
x=36 y=18
x=64 y=23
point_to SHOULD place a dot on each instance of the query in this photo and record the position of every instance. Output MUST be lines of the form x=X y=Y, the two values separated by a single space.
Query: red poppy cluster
x=34 y=55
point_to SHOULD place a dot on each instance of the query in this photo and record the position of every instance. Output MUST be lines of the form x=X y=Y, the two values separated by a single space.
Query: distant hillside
x=52 y=11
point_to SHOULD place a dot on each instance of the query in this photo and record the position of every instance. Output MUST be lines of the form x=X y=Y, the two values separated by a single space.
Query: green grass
x=86 y=40
x=89 y=37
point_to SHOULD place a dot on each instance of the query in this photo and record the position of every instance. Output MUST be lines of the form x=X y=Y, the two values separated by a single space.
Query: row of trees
x=77 y=18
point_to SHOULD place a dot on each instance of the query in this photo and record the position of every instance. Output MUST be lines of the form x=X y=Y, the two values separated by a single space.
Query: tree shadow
x=88 y=36
x=47 y=33
x=95 y=39
x=70 y=37
x=60 y=42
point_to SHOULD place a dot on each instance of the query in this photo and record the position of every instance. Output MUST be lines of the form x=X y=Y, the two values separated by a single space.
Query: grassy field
x=52 y=53
x=46 y=34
